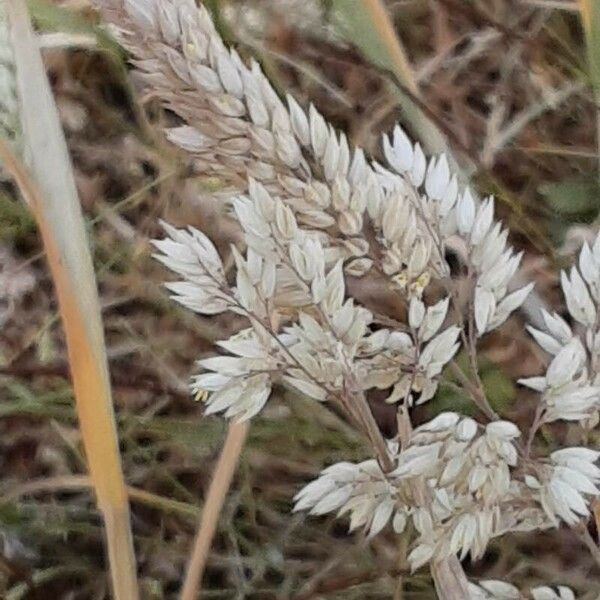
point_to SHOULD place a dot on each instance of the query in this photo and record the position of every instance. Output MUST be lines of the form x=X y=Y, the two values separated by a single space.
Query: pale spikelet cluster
x=236 y=125
x=567 y=392
x=314 y=214
x=410 y=362
x=571 y=387
x=492 y=589
x=466 y=472
x=286 y=271
x=360 y=490
x=448 y=214
x=565 y=483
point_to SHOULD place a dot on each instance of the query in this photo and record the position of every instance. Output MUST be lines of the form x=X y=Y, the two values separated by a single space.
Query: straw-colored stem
x=217 y=491
x=449 y=579
x=121 y=557
x=51 y=195
x=387 y=34
x=96 y=419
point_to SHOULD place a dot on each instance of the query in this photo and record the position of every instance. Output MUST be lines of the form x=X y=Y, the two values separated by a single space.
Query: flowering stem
x=537 y=423
x=475 y=392
x=365 y=416
x=449 y=579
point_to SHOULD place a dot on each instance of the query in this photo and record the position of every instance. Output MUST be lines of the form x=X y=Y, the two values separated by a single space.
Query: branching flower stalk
x=316 y=214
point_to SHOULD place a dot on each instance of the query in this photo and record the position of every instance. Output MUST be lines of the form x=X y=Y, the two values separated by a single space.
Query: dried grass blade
x=368 y=24
x=234 y=442
x=52 y=197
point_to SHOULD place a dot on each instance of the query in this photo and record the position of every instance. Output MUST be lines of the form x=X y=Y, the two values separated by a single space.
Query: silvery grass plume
x=316 y=213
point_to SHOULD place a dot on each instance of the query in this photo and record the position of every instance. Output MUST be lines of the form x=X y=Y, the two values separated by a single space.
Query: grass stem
x=52 y=197
x=228 y=460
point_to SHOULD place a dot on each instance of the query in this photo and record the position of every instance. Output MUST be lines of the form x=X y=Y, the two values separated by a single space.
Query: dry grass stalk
x=219 y=486
x=52 y=196
x=369 y=25
x=387 y=34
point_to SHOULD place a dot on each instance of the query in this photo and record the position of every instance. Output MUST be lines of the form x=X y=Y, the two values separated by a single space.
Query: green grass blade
x=368 y=25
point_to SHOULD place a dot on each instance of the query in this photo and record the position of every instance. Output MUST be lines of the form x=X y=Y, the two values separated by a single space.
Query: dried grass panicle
x=313 y=213
x=237 y=126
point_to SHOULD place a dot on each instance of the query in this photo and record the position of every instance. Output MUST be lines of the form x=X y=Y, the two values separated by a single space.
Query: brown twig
x=76 y=483
x=217 y=491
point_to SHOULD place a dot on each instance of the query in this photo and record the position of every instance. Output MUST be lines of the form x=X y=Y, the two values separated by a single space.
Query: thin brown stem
x=474 y=391
x=364 y=414
x=217 y=491
x=449 y=579
x=537 y=423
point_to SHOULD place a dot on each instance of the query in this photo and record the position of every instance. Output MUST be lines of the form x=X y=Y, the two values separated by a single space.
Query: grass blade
x=367 y=23
x=52 y=197
x=234 y=442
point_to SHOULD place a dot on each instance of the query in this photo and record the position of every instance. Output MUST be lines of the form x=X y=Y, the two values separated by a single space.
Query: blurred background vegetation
x=509 y=87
